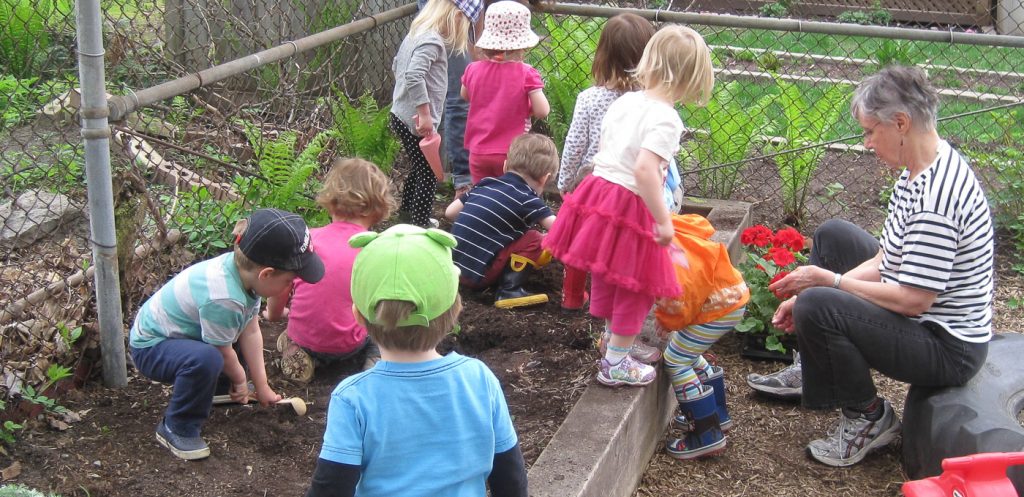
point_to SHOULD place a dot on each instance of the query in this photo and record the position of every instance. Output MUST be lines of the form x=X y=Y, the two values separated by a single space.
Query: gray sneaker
x=850 y=440
x=187 y=448
x=787 y=383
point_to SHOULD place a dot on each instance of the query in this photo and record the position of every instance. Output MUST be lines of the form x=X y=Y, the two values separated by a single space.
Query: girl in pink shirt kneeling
x=321 y=327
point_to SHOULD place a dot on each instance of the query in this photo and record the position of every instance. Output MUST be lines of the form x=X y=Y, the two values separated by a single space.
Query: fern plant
x=565 y=65
x=806 y=122
x=362 y=130
x=731 y=126
x=286 y=180
x=25 y=32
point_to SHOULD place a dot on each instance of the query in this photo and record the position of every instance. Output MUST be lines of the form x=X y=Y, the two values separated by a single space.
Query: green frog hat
x=406 y=263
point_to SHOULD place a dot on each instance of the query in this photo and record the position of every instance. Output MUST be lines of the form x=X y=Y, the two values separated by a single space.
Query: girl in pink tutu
x=615 y=225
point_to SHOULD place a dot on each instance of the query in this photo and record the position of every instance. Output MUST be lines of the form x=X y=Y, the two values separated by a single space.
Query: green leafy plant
x=54 y=373
x=27 y=32
x=776 y=9
x=770 y=62
x=731 y=128
x=894 y=52
x=565 y=63
x=69 y=335
x=746 y=55
x=770 y=256
x=806 y=122
x=59 y=169
x=877 y=15
x=18 y=490
x=362 y=130
x=205 y=222
x=286 y=175
x=7 y=430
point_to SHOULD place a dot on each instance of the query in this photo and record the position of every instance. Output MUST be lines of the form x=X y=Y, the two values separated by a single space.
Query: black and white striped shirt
x=938 y=237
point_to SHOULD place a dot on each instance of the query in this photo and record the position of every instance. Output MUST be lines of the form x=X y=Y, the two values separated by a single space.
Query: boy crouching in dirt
x=417 y=423
x=185 y=333
x=492 y=223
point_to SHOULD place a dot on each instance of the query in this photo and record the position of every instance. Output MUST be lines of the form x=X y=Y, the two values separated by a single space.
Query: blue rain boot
x=706 y=438
x=716 y=380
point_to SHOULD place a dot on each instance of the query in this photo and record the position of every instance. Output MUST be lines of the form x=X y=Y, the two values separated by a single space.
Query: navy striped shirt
x=938 y=237
x=495 y=213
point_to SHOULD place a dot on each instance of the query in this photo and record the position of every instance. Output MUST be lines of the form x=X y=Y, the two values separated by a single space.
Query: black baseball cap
x=280 y=239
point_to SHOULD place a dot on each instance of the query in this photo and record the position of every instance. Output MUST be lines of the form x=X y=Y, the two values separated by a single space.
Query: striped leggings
x=683 y=360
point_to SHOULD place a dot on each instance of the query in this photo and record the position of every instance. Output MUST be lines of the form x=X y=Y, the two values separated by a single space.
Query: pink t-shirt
x=320 y=316
x=499 y=103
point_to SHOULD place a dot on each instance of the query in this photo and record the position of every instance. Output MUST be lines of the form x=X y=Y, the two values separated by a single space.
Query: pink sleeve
x=532 y=80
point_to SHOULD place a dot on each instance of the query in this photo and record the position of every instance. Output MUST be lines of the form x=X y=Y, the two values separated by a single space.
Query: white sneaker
x=852 y=438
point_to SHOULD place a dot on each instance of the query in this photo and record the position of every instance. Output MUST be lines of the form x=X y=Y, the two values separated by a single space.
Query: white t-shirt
x=635 y=122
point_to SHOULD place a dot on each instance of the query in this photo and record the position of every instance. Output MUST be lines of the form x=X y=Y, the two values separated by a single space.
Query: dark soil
x=542 y=355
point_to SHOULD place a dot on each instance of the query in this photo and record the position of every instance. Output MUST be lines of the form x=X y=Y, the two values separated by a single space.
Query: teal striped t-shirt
x=206 y=302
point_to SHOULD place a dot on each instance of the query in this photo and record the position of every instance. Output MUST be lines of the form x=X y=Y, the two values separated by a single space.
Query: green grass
x=972 y=56
x=963 y=130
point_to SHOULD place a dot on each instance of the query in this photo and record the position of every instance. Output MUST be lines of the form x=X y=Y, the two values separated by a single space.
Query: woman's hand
x=800 y=279
x=663 y=233
x=783 y=317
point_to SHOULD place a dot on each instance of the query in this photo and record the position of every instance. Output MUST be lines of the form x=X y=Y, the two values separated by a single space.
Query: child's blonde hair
x=619 y=50
x=386 y=333
x=678 y=60
x=355 y=188
x=447 y=19
x=532 y=155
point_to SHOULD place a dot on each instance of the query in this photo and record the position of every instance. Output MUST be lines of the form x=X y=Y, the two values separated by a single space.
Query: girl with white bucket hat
x=503 y=91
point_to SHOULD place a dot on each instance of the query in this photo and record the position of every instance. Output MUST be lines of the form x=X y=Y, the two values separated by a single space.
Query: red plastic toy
x=980 y=475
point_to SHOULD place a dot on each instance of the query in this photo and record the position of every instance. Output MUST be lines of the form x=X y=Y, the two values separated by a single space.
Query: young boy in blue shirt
x=417 y=423
x=185 y=333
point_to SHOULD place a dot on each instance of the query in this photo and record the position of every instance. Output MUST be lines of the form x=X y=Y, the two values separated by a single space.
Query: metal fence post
x=96 y=136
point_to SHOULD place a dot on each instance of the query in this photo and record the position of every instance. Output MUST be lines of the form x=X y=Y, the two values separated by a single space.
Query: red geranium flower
x=757 y=235
x=788 y=238
x=782 y=274
x=781 y=257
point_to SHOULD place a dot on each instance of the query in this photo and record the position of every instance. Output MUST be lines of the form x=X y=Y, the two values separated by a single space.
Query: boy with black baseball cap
x=185 y=333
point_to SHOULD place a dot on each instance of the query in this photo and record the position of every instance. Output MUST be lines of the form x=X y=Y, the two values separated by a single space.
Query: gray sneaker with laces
x=853 y=438
x=786 y=383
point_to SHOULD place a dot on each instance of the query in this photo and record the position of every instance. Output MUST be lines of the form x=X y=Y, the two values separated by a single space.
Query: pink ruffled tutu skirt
x=605 y=229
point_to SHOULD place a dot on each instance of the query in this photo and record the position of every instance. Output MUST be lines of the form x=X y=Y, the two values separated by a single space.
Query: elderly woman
x=916 y=304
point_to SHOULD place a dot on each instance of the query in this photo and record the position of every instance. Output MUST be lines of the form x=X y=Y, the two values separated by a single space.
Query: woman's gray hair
x=897 y=89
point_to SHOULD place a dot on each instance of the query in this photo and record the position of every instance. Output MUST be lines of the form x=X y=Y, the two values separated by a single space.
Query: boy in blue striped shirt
x=185 y=334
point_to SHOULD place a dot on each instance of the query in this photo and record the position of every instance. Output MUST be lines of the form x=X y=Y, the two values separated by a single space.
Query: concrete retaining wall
x=609 y=436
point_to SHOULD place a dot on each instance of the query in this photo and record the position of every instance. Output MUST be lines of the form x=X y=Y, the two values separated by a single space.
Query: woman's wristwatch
x=838 y=278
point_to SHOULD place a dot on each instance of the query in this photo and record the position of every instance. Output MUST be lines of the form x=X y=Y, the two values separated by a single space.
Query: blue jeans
x=842 y=336
x=453 y=120
x=193 y=368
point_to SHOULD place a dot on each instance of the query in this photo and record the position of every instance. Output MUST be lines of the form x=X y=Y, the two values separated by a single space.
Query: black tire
x=981 y=416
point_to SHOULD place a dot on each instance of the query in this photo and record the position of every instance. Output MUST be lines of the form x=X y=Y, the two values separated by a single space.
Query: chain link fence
x=200 y=148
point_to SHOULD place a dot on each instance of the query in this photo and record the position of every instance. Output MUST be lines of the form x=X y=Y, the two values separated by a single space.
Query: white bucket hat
x=507 y=27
